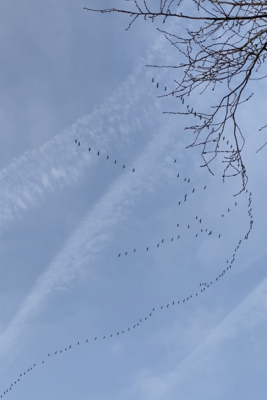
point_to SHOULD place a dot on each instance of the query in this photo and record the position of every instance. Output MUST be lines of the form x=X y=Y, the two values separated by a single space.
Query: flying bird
x=152 y=80
x=133 y=170
x=75 y=140
x=98 y=153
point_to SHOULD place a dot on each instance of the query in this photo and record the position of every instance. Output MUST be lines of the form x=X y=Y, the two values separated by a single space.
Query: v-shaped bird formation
x=197 y=231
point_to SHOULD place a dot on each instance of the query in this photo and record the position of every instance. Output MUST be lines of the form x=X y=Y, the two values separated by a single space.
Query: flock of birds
x=198 y=233
x=203 y=286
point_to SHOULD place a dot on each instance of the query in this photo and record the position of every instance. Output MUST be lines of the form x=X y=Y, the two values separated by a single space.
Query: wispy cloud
x=58 y=162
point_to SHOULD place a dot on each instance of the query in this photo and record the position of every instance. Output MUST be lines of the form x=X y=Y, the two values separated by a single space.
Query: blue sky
x=66 y=214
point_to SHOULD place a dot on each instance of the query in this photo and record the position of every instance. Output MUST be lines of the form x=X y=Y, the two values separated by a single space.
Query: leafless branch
x=227 y=48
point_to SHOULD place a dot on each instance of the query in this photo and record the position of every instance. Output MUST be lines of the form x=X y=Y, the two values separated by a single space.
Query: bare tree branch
x=227 y=49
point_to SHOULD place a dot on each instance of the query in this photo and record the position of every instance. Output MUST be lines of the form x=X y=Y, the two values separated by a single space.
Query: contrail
x=90 y=238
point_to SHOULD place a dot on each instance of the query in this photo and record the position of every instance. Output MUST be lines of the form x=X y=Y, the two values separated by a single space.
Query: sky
x=105 y=279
